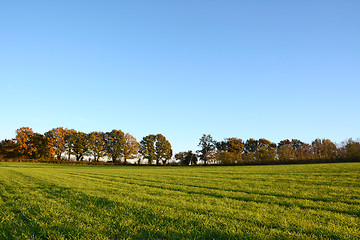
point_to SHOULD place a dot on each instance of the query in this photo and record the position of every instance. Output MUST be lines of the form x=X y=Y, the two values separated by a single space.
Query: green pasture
x=45 y=201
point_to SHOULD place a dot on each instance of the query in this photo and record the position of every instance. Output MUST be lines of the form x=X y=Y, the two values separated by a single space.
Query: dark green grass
x=44 y=201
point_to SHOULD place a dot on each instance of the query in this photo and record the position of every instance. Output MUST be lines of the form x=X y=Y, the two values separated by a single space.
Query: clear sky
x=271 y=69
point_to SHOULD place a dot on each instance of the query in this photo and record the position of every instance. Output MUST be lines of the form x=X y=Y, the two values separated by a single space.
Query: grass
x=45 y=201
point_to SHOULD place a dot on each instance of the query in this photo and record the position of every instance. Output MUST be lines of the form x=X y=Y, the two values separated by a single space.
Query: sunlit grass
x=132 y=202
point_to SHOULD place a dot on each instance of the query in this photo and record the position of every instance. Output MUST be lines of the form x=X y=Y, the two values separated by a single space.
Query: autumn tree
x=8 y=148
x=208 y=147
x=283 y=143
x=265 y=154
x=251 y=145
x=114 y=143
x=295 y=143
x=324 y=149
x=131 y=147
x=156 y=147
x=248 y=157
x=286 y=153
x=230 y=151
x=162 y=149
x=186 y=158
x=147 y=148
x=24 y=141
x=352 y=150
x=56 y=140
x=41 y=146
x=96 y=145
x=265 y=151
x=69 y=141
x=79 y=145
x=303 y=152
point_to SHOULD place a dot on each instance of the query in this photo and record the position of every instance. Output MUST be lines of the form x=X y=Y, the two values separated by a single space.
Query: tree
x=295 y=143
x=163 y=150
x=352 y=150
x=287 y=149
x=41 y=145
x=156 y=147
x=96 y=145
x=227 y=158
x=286 y=153
x=248 y=157
x=147 y=147
x=265 y=154
x=191 y=158
x=208 y=146
x=284 y=142
x=24 y=141
x=235 y=145
x=230 y=151
x=56 y=140
x=262 y=142
x=324 y=149
x=115 y=144
x=131 y=147
x=186 y=158
x=8 y=148
x=251 y=145
x=303 y=152
x=180 y=156
x=80 y=145
x=69 y=141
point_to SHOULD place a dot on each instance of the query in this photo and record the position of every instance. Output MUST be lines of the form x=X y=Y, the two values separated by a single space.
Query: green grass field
x=45 y=201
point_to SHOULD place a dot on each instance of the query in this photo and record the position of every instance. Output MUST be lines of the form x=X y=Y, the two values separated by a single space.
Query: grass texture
x=45 y=201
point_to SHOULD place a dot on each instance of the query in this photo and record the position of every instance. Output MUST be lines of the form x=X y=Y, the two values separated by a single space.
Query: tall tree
x=251 y=145
x=283 y=143
x=80 y=145
x=147 y=148
x=56 y=139
x=156 y=147
x=262 y=142
x=131 y=147
x=24 y=141
x=265 y=154
x=286 y=153
x=295 y=143
x=352 y=150
x=303 y=152
x=230 y=151
x=41 y=145
x=115 y=144
x=96 y=145
x=8 y=148
x=208 y=145
x=324 y=149
x=69 y=141
x=163 y=149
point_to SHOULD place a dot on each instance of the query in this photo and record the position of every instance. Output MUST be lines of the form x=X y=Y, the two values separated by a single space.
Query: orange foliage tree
x=56 y=141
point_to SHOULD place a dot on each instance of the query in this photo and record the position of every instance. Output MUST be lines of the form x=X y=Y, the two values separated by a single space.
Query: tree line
x=62 y=144
x=235 y=151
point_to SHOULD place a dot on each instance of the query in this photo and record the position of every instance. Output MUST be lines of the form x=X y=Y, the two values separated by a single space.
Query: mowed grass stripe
x=106 y=203
x=119 y=209
x=281 y=199
x=285 y=201
x=246 y=199
x=207 y=214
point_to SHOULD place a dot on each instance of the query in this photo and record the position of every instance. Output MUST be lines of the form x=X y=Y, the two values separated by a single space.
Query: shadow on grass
x=73 y=215
x=250 y=198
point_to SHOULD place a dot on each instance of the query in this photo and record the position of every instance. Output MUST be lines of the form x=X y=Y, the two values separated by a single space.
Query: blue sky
x=271 y=69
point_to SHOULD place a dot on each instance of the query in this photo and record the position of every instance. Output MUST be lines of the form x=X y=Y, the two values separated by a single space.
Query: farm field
x=46 y=201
